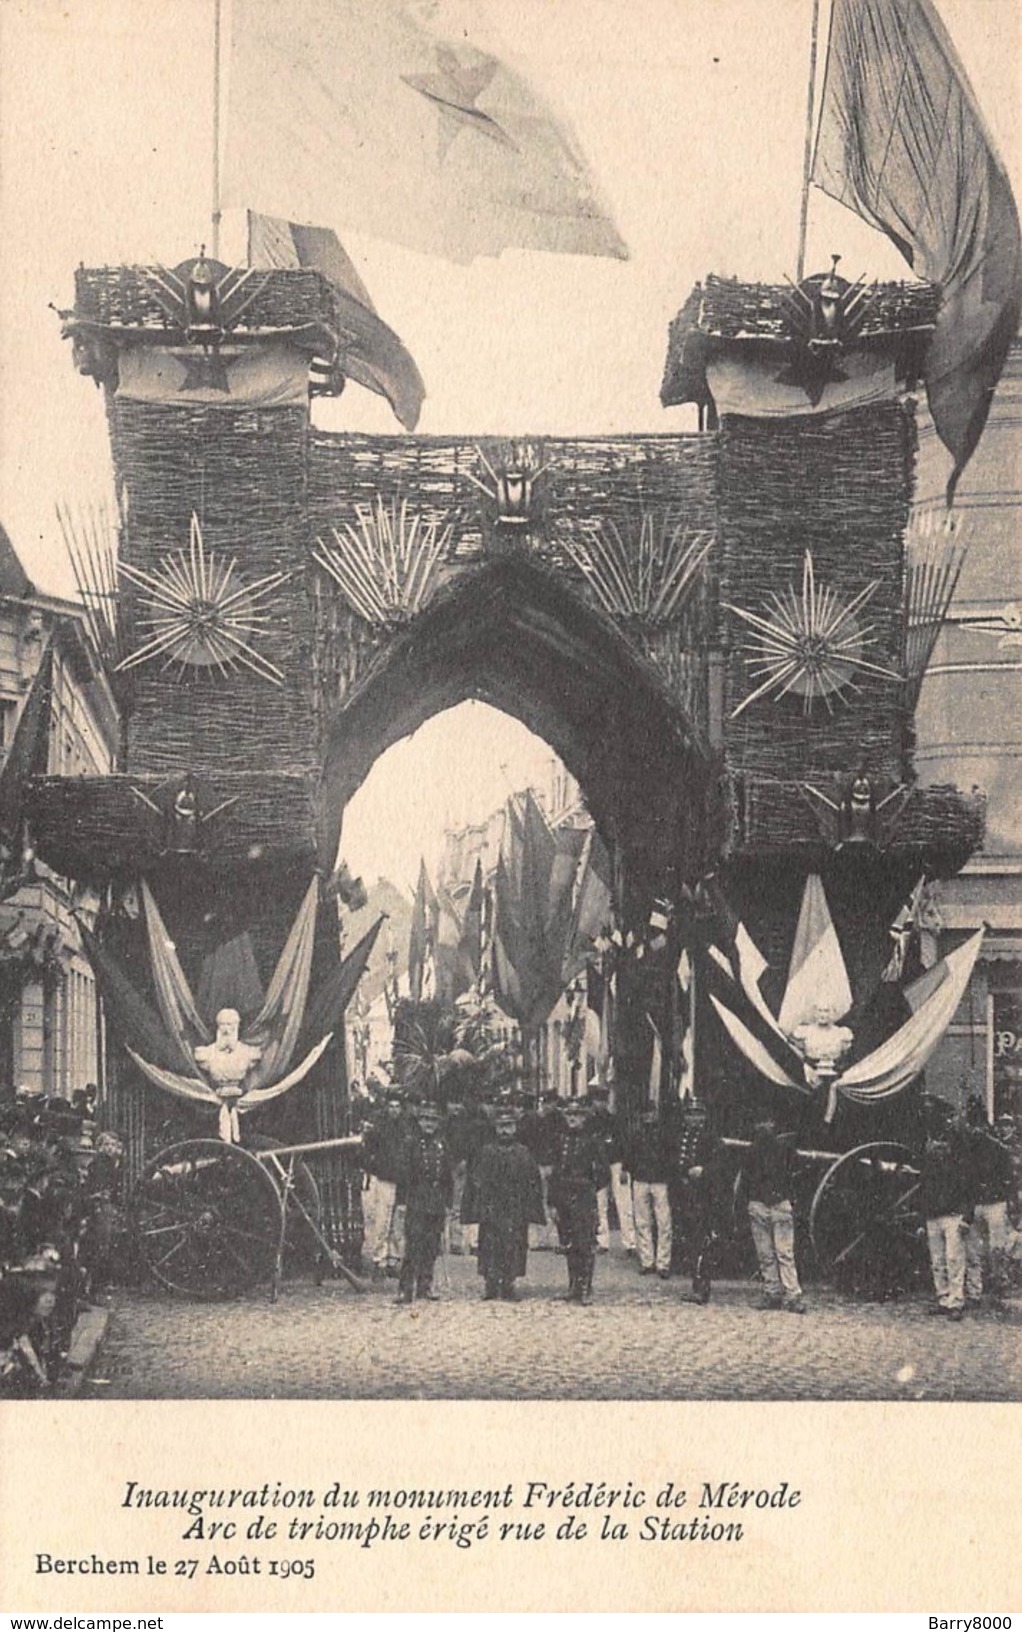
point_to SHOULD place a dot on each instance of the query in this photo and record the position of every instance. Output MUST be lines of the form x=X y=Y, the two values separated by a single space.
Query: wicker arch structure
x=513 y=634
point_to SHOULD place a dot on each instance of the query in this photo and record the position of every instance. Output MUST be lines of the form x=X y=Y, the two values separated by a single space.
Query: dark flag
x=422 y=940
x=369 y=352
x=471 y=947
x=902 y=143
x=328 y=1002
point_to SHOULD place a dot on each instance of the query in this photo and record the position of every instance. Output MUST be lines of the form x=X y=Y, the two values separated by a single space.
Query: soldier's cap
x=575 y=1107
x=393 y=1097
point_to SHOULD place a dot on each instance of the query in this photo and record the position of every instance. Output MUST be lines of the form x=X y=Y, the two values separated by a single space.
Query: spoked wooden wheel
x=865 y=1223
x=208 y=1216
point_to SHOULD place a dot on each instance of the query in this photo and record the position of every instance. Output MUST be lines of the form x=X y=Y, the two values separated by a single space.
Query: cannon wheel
x=864 y=1221
x=304 y=1204
x=208 y=1216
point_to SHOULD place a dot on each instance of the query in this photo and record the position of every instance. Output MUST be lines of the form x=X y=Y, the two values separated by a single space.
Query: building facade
x=57 y=718
x=969 y=732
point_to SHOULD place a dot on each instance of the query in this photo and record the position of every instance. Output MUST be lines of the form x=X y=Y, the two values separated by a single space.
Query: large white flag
x=349 y=112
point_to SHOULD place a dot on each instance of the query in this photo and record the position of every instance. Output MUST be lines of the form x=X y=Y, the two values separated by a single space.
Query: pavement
x=638 y=1341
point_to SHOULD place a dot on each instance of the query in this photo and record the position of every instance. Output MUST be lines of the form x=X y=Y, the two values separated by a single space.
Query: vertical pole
x=992 y=1107
x=216 y=212
x=807 y=161
x=693 y=1081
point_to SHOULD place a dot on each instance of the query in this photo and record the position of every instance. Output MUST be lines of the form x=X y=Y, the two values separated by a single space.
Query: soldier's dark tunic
x=504 y=1198
x=425 y=1187
x=580 y=1170
x=695 y=1200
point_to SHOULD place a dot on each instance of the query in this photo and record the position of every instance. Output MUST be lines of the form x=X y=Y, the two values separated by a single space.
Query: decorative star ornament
x=809 y=642
x=202 y=612
x=454 y=90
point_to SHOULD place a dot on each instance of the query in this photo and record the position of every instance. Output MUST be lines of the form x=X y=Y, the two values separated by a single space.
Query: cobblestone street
x=638 y=1341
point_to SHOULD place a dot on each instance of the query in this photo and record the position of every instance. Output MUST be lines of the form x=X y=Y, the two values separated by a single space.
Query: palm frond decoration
x=809 y=641
x=91 y=540
x=387 y=564
x=646 y=572
x=936 y=541
x=203 y=613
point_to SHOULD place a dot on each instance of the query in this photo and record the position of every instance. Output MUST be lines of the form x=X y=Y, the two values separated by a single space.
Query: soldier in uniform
x=698 y=1162
x=505 y=1196
x=425 y=1188
x=383 y=1145
x=579 y=1173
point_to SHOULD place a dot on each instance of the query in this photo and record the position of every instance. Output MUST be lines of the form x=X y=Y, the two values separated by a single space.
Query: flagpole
x=807 y=161
x=216 y=212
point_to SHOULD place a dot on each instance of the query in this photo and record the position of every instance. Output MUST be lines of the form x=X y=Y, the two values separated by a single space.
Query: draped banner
x=886 y=1070
x=902 y=143
x=161 y=1045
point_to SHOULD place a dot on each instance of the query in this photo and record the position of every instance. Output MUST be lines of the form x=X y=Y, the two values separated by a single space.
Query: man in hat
x=425 y=1188
x=604 y=1127
x=383 y=1145
x=579 y=1173
x=947 y=1202
x=541 y=1131
x=992 y=1185
x=649 y=1155
x=767 y=1171
x=698 y=1164
x=505 y=1196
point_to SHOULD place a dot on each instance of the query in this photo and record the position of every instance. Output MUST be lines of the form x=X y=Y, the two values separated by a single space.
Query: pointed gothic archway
x=514 y=635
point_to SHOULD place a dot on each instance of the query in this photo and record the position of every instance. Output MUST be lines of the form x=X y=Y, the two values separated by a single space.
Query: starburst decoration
x=646 y=572
x=809 y=642
x=202 y=612
x=387 y=564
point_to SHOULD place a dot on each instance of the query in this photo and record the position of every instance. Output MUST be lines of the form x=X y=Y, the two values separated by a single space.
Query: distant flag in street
x=350 y=111
x=422 y=940
x=817 y=974
x=471 y=944
x=902 y=142
x=369 y=352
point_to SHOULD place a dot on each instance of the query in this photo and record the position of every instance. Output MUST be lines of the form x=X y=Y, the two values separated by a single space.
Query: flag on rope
x=369 y=352
x=350 y=111
x=902 y=142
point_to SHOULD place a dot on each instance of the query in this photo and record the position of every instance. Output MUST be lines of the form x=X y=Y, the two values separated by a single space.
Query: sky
x=691 y=113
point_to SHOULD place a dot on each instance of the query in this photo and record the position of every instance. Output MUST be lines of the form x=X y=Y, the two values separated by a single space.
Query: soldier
x=946 y=1200
x=767 y=1169
x=698 y=1161
x=606 y=1129
x=649 y=1157
x=382 y=1147
x=992 y=1183
x=504 y=1198
x=579 y=1173
x=425 y=1188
